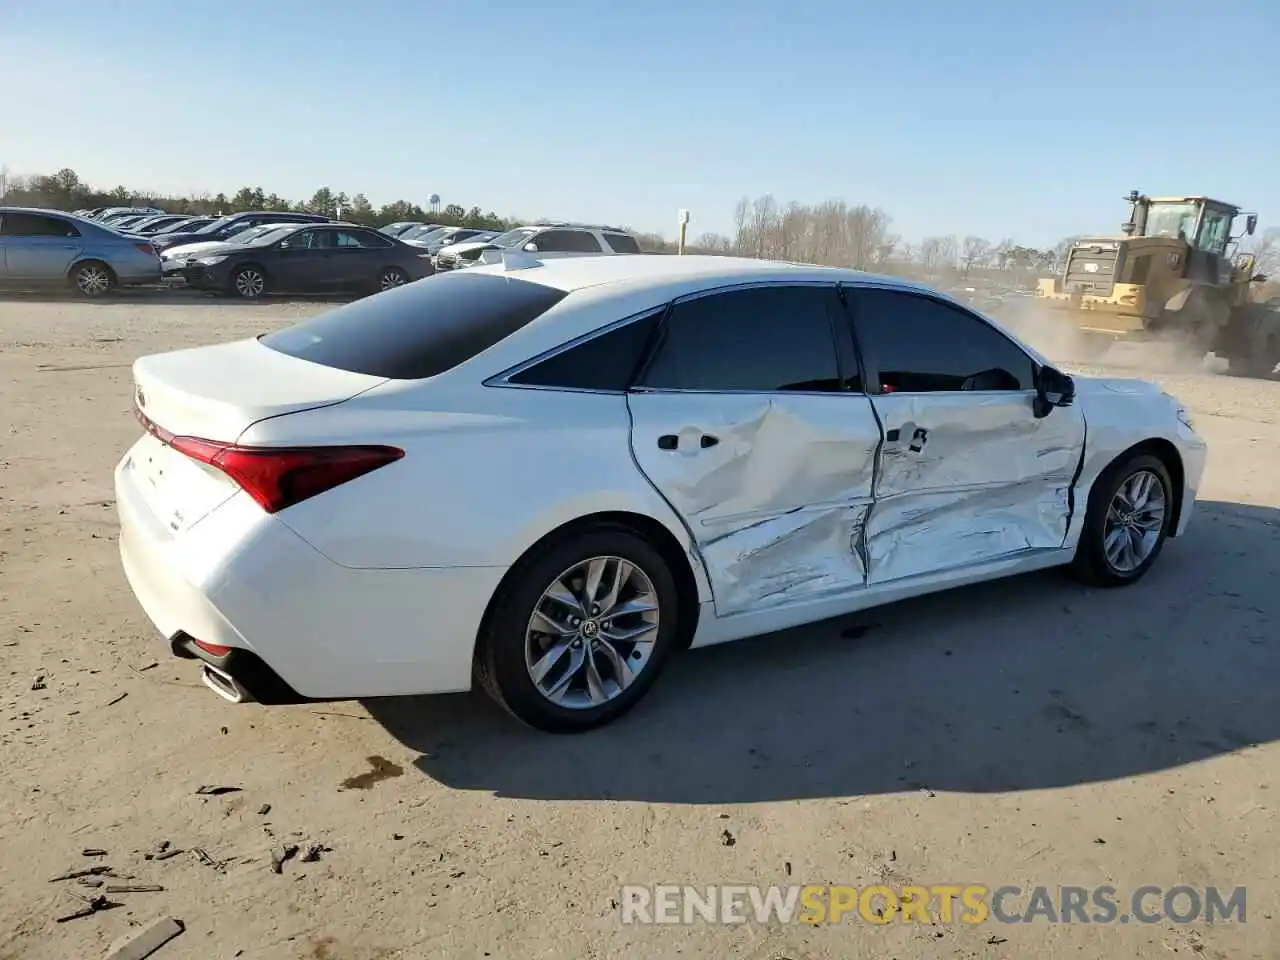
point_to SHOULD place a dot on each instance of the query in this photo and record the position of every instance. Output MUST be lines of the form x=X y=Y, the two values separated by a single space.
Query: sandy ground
x=1029 y=732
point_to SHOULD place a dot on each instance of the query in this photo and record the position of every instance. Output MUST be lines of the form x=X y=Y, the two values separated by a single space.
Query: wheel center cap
x=590 y=628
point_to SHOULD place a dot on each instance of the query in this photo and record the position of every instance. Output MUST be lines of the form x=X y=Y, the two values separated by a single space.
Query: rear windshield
x=420 y=329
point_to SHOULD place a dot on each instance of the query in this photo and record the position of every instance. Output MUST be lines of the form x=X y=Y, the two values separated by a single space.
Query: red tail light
x=147 y=248
x=279 y=477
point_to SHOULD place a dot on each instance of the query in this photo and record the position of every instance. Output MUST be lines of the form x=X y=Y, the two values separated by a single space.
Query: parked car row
x=255 y=253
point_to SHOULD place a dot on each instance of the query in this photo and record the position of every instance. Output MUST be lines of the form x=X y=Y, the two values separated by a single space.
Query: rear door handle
x=707 y=440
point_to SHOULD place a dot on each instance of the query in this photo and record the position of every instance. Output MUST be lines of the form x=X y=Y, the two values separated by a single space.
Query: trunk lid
x=215 y=393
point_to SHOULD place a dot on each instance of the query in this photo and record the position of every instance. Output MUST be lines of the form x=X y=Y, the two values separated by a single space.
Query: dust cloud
x=1059 y=339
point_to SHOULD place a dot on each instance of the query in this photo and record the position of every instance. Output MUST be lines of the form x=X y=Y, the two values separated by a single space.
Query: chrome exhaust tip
x=224 y=685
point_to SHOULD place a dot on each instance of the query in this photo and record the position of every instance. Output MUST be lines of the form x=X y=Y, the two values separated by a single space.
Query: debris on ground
x=140 y=945
x=281 y=855
x=96 y=871
x=264 y=809
x=38 y=683
x=89 y=882
x=93 y=852
x=727 y=838
x=993 y=940
x=204 y=857
x=134 y=888
x=162 y=851
x=215 y=790
x=112 y=703
x=90 y=906
x=314 y=850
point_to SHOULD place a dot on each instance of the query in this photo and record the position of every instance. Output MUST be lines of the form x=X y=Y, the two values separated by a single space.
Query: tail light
x=279 y=477
x=147 y=248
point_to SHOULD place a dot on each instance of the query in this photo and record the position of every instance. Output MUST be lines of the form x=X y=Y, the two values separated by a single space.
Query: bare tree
x=974 y=253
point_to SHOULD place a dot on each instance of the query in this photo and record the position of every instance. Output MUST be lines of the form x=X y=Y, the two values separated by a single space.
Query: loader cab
x=1203 y=224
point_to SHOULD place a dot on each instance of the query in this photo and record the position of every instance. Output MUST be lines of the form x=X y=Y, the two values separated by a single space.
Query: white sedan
x=548 y=477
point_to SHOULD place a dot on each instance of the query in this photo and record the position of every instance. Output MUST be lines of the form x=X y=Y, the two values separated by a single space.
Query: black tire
x=248 y=282
x=1091 y=564
x=500 y=665
x=390 y=278
x=92 y=279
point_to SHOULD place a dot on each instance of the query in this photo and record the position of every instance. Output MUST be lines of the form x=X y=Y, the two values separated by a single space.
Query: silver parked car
x=51 y=248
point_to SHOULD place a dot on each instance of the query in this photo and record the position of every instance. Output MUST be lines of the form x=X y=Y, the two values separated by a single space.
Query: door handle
x=671 y=441
x=919 y=436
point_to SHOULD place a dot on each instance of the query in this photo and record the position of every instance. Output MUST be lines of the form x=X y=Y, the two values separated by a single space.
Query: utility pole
x=684 y=230
x=4 y=180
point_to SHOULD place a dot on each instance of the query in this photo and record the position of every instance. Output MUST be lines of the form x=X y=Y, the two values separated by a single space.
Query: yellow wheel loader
x=1172 y=274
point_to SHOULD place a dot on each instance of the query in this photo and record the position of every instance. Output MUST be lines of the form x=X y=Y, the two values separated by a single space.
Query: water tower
x=434 y=201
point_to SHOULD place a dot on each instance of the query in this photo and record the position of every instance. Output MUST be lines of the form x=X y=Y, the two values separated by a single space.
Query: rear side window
x=621 y=243
x=418 y=330
x=567 y=241
x=604 y=362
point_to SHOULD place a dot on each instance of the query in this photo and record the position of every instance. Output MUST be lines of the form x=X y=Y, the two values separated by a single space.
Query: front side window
x=1215 y=232
x=922 y=345
x=758 y=339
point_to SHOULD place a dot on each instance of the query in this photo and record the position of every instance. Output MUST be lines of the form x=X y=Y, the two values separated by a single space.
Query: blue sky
x=1024 y=120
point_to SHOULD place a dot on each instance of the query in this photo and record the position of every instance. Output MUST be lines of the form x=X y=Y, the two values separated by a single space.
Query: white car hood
x=466 y=246
x=184 y=250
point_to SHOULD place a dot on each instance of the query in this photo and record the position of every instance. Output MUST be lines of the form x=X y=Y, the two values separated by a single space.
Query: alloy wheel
x=592 y=632
x=93 y=280
x=1134 y=522
x=391 y=279
x=250 y=283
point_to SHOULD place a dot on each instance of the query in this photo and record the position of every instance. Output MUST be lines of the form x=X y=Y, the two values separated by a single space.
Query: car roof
x=576 y=273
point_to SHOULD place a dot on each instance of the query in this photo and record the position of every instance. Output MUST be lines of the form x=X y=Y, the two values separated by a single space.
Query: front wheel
x=249 y=283
x=92 y=279
x=392 y=277
x=1129 y=516
x=580 y=632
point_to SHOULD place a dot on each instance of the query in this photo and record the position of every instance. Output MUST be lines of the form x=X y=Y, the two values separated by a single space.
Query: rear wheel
x=580 y=631
x=1260 y=365
x=1129 y=516
x=392 y=277
x=92 y=279
x=249 y=283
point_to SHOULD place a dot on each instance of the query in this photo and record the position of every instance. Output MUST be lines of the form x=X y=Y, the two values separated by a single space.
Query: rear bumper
x=301 y=626
x=249 y=674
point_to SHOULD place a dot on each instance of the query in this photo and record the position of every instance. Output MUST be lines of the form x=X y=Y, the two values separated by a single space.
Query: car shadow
x=1022 y=684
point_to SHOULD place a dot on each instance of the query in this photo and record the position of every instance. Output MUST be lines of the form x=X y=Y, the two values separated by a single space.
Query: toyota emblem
x=140 y=397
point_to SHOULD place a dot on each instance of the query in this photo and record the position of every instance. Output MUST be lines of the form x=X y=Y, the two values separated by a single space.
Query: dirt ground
x=1029 y=732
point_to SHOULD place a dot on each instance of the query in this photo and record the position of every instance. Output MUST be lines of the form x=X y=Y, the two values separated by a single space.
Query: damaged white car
x=548 y=477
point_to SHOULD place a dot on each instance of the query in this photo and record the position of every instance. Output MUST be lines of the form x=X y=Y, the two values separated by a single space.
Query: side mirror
x=1251 y=224
x=531 y=247
x=1053 y=389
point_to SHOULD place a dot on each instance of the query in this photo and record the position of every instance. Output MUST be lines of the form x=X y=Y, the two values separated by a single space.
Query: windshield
x=215 y=226
x=180 y=225
x=1171 y=220
x=248 y=233
x=425 y=234
x=512 y=238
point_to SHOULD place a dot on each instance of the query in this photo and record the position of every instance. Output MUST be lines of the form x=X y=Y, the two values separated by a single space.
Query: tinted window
x=33 y=225
x=605 y=362
x=567 y=241
x=761 y=339
x=420 y=329
x=621 y=243
x=922 y=345
x=367 y=238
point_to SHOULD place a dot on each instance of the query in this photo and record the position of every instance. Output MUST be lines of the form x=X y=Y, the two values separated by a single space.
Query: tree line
x=833 y=233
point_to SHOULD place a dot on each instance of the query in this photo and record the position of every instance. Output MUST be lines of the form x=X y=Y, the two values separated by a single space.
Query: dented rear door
x=746 y=424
